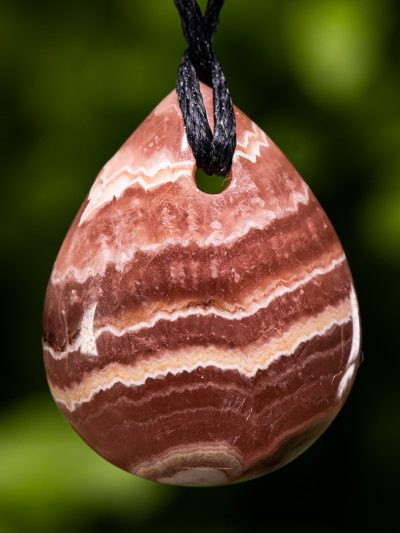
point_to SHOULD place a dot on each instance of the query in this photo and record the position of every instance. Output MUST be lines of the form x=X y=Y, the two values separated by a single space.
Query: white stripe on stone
x=246 y=362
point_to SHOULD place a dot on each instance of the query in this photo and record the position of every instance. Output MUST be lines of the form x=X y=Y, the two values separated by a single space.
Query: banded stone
x=200 y=339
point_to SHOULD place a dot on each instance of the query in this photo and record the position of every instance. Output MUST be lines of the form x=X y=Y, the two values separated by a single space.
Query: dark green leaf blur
x=322 y=78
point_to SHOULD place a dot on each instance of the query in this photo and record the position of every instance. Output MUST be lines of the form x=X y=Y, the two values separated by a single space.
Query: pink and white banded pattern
x=200 y=339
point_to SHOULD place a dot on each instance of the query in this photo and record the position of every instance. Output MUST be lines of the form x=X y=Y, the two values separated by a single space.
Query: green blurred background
x=322 y=78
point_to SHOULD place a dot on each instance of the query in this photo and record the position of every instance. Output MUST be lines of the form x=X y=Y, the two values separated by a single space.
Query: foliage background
x=322 y=78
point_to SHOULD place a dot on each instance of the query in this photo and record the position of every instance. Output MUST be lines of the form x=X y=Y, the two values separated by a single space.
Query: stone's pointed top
x=200 y=339
x=157 y=159
x=158 y=144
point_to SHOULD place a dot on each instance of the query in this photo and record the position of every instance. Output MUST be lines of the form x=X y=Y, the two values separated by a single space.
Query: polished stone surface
x=200 y=339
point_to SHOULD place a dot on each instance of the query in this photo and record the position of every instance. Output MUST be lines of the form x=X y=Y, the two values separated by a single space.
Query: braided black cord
x=213 y=151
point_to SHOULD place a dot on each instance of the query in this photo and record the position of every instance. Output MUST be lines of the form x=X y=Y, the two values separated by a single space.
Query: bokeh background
x=322 y=77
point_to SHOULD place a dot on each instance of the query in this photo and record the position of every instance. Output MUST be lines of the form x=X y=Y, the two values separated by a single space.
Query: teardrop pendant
x=200 y=339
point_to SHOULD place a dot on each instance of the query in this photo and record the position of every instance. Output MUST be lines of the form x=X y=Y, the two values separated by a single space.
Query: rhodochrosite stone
x=200 y=339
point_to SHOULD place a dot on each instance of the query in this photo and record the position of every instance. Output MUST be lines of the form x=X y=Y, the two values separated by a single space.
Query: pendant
x=199 y=339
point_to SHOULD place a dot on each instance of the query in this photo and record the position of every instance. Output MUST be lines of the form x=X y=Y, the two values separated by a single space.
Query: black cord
x=213 y=151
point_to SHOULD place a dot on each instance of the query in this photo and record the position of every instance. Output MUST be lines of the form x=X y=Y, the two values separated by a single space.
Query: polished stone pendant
x=199 y=339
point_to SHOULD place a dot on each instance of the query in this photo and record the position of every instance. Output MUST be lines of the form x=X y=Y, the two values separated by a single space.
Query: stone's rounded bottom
x=212 y=425
x=198 y=464
x=201 y=466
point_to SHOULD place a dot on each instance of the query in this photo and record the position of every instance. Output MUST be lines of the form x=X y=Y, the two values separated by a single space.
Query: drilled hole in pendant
x=210 y=184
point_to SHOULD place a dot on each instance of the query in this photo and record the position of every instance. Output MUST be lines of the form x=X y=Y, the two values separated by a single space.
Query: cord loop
x=213 y=151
